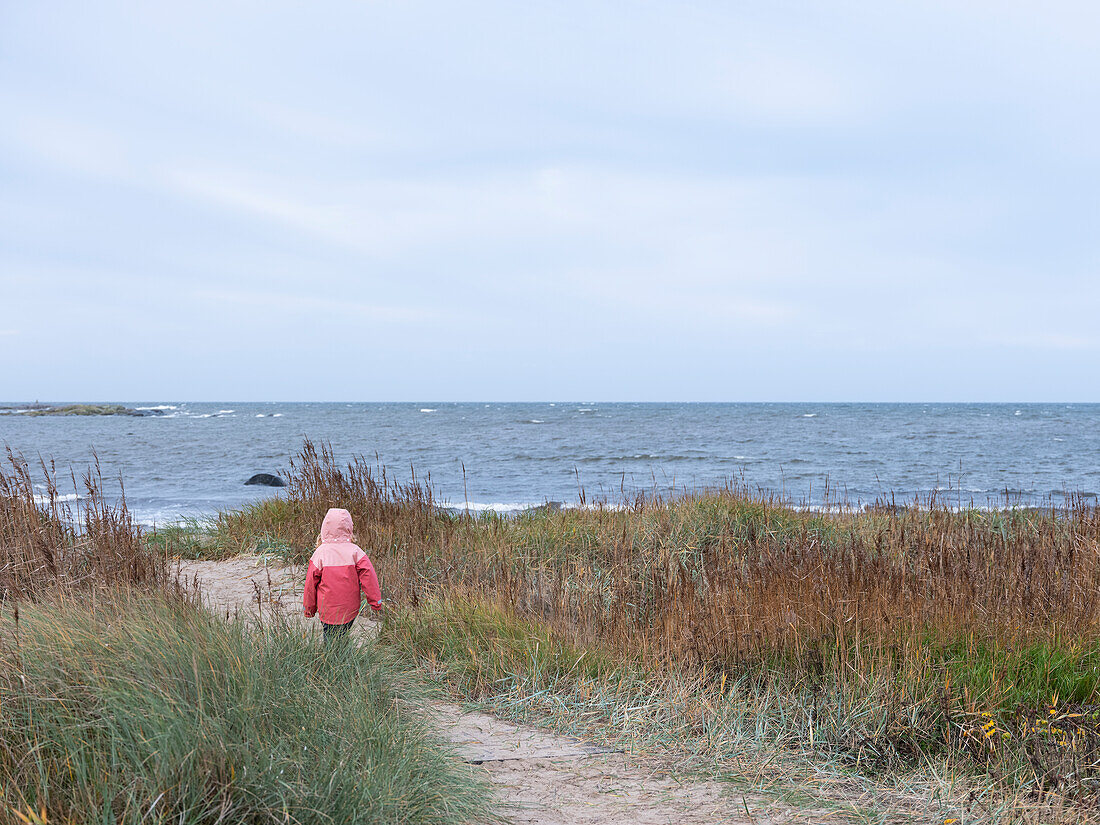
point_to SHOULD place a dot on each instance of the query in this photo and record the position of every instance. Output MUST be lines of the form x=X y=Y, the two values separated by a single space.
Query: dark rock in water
x=266 y=480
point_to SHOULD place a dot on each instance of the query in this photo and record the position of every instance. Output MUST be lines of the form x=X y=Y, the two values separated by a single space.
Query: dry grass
x=883 y=637
x=49 y=543
x=714 y=578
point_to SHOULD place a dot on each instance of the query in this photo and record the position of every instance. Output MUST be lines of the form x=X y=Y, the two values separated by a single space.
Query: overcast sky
x=608 y=201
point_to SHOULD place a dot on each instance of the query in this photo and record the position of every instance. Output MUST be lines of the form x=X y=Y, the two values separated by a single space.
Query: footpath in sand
x=540 y=777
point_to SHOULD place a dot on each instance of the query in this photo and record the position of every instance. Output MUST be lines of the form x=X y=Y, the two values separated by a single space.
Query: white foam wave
x=159 y=518
x=159 y=407
x=427 y=410
x=490 y=507
x=44 y=500
x=809 y=415
x=534 y=421
x=259 y=415
x=226 y=412
x=277 y=415
x=507 y=507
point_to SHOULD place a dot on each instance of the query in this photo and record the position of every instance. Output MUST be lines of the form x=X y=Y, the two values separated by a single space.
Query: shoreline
x=522 y=509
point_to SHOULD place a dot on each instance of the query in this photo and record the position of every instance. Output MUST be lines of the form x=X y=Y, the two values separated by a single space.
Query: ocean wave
x=426 y=410
x=161 y=517
x=809 y=415
x=44 y=500
x=159 y=407
x=277 y=415
x=490 y=507
x=505 y=508
x=591 y=459
x=1072 y=493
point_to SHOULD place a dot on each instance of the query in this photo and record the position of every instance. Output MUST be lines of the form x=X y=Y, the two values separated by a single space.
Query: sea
x=190 y=459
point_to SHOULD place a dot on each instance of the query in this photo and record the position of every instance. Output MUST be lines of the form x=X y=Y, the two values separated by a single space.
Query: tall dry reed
x=717 y=576
x=52 y=541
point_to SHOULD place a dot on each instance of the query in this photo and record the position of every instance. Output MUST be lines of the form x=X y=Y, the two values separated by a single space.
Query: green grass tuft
x=144 y=709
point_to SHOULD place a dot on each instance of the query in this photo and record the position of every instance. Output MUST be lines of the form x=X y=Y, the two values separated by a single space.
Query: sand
x=539 y=777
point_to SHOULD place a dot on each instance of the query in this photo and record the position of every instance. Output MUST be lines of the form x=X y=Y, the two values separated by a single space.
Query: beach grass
x=886 y=640
x=920 y=648
x=52 y=542
x=122 y=700
x=128 y=707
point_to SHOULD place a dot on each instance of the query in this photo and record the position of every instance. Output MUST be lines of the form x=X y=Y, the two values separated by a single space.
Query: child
x=337 y=571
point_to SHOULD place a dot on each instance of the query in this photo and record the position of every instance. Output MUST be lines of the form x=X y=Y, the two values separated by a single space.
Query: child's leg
x=335 y=632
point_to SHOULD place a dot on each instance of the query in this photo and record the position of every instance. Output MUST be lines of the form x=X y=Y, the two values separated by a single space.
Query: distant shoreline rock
x=75 y=409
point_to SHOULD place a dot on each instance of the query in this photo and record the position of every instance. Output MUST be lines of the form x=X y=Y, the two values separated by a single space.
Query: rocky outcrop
x=75 y=409
x=266 y=480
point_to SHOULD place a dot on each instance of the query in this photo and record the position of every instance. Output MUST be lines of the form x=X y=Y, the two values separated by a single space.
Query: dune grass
x=140 y=708
x=123 y=701
x=886 y=640
x=50 y=542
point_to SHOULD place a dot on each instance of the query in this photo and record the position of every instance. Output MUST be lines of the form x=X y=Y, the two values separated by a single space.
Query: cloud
x=684 y=180
x=69 y=144
x=305 y=306
x=1045 y=341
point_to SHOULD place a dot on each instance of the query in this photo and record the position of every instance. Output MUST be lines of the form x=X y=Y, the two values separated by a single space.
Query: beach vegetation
x=52 y=540
x=136 y=707
x=122 y=700
x=887 y=640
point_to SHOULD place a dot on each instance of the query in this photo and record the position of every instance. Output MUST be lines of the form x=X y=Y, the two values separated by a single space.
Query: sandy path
x=540 y=777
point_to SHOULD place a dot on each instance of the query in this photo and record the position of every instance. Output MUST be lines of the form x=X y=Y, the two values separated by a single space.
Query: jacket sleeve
x=368 y=580
x=309 y=597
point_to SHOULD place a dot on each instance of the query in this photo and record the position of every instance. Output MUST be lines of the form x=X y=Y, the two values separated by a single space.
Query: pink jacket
x=336 y=573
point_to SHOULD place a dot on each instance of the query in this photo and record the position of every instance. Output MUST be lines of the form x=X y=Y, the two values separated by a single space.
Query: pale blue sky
x=615 y=201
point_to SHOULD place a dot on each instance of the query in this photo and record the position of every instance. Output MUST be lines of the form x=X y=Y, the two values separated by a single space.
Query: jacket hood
x=337 y=526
